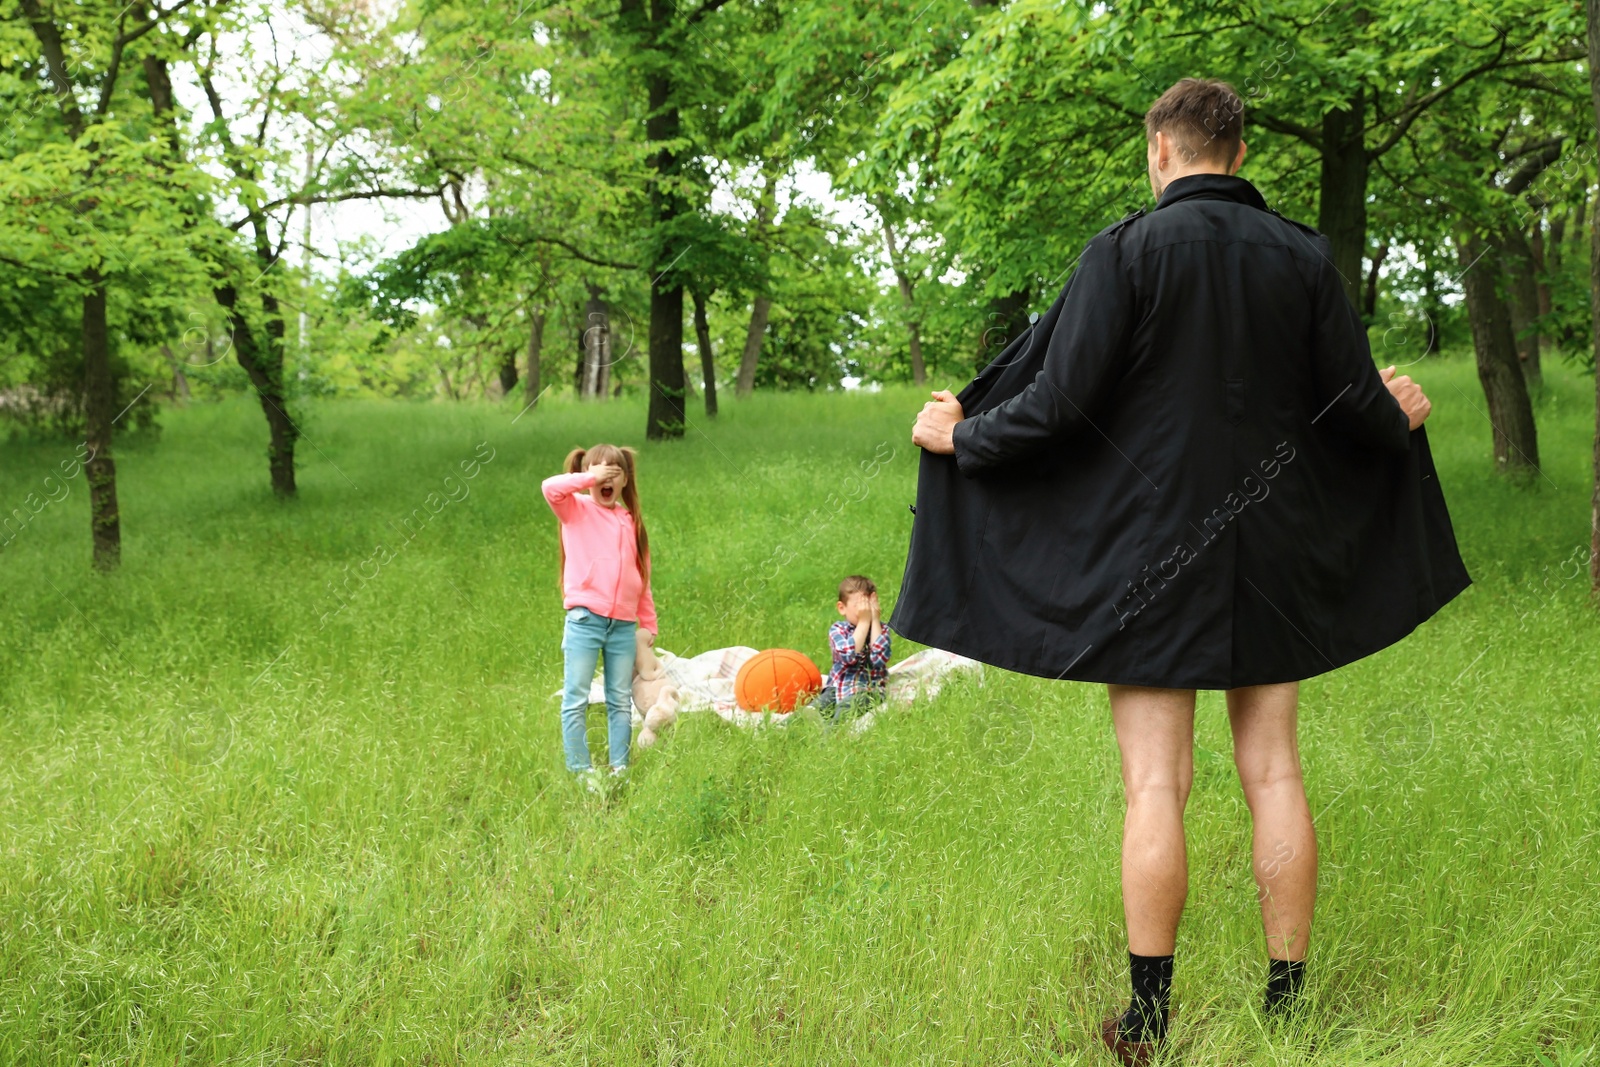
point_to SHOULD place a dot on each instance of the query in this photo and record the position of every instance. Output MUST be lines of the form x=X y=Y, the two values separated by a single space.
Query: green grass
x=237 y=832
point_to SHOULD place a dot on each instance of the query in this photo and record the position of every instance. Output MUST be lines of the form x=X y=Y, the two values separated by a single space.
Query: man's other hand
x=1408 y=394
x=935 y=425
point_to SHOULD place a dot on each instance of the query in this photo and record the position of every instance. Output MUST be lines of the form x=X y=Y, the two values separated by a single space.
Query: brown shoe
x=1128 y=1053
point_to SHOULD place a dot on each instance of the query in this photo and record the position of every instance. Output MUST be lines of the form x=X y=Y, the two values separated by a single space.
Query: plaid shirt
x=855 y=672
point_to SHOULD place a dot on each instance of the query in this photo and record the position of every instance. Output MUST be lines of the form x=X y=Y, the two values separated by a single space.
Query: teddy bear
x=653 y=692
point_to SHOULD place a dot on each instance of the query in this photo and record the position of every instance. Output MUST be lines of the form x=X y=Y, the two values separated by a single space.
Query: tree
x=1516 y=444
x=708 y=361
x=666 y=50
x=527 y=131
x=1480 y=161
x=1592 y=10
x=907 y=285
x=1044 y=106
x=102 y=209
x=286 y=99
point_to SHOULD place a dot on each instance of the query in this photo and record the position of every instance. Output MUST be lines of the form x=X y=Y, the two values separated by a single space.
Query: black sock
x=1146 y=1017
x=1284 y=978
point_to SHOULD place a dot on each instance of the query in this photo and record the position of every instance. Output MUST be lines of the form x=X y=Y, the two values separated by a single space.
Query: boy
x=860 y=644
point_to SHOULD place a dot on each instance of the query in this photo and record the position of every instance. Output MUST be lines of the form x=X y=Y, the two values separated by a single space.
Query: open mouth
x=607 y=493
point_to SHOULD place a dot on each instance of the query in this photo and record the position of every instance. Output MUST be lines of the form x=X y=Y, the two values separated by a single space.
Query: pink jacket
x=602 y=572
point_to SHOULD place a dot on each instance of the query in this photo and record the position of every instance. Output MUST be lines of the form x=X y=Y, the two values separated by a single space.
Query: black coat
x=1187 y=473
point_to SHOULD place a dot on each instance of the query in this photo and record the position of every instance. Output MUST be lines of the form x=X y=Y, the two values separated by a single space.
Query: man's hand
x=1409 y=395
x=934 y=429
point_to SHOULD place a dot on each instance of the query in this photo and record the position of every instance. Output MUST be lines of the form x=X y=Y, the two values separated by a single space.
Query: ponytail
x=630 y=498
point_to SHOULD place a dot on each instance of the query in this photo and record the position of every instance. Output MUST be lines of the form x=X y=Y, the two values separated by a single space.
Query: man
x=1187 y=474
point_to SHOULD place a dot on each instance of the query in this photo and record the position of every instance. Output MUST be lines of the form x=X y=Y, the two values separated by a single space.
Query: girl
x=605 y=585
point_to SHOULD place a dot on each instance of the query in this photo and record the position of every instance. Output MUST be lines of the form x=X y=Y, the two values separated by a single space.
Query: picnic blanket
x=705 y=682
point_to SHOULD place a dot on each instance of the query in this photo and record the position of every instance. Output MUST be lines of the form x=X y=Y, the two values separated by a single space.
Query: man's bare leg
x=1284 y=845
x=1155 y=732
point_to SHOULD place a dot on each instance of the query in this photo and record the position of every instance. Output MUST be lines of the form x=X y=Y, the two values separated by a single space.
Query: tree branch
x=1407 y=115
x=573 y=250
x=1532 y=167
x=55 y=58
x=1287 y=128
x=300 y=199
x=1535 y=146
x=34 y=268
x=155 y=20
x=112 y=70
x=705 y=9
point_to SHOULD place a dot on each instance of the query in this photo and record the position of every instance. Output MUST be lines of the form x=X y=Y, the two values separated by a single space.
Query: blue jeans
x=587 y=635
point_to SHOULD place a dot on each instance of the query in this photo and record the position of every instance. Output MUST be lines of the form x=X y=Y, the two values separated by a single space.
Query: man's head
x=855 y=598
x=1196 y=127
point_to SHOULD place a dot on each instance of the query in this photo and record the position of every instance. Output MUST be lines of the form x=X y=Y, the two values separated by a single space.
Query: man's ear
x=1238 y=160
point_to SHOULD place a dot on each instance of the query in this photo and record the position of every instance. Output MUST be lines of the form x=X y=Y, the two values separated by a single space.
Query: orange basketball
x=777 y=678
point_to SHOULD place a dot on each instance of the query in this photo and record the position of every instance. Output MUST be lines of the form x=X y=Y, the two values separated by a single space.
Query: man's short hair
x=856 y=583
x=1205 y=118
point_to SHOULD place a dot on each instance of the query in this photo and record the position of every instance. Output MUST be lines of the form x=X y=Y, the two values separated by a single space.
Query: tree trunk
x=533 y=389
x=180 y=381
x=752 y=346
x=666 y=414
x=1555 y=253
x=583 y=354
x=265 y=371
x=1370 y=301
x=159 y=85
x=508 y=372
x=100 y=404
x=1593 y=7
x=666 y=417
x=1007 y=317
x=1524 y=300
x=1594 y=318
x=1342 y=205
x=708 y=363
x=907 y=300
x=1432 y=307
x=596 y=347
x=766 y=211
x=1541 y=273
x=1516 y=446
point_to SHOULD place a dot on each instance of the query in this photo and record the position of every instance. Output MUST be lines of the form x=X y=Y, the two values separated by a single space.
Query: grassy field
x=248 y=819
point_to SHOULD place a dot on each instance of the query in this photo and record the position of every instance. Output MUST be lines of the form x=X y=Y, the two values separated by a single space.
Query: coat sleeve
x=559 y=490
x=1350 y=392
x=1082 y=352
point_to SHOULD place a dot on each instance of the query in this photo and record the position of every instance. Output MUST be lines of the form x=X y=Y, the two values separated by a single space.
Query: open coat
x=1187 y=473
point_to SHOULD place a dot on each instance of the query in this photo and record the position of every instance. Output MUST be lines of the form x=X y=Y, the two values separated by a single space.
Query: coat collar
x=1211 y=187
